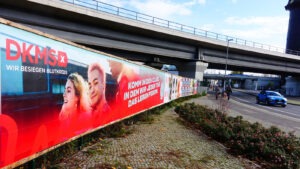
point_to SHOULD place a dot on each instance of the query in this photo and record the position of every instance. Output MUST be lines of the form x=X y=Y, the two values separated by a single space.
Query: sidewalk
x=291 y=99
x=165 y=143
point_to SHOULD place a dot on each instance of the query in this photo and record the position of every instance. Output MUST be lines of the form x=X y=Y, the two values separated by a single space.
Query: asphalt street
x=240 y=103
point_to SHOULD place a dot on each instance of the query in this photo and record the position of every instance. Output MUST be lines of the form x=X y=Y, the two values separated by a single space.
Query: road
x=287 y=119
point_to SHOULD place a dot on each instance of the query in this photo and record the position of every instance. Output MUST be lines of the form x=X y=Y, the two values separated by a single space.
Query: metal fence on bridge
x=111 y=9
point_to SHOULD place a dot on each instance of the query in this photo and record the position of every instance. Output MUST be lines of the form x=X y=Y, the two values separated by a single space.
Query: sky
x=261 y=21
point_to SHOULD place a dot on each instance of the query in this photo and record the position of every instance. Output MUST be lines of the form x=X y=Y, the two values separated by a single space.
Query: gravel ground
x=165 y=143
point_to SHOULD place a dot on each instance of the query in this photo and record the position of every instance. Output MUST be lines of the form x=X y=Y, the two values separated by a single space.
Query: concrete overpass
x=246 y=81
x=147 y=39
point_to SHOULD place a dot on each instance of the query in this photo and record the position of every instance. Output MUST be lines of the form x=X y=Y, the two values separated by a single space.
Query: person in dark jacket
x=217 y=91
x=228 y=91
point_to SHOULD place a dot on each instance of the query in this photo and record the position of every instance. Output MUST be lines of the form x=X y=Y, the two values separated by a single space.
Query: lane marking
x=241 y=99
x=277 y=110
x=269 y=108
x=285 y=115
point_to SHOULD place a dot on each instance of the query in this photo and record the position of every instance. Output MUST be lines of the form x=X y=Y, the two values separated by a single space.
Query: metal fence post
x=80 y=143
x=32 y=164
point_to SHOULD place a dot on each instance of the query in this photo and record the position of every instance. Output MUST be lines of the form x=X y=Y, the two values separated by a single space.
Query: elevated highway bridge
x=152 y=41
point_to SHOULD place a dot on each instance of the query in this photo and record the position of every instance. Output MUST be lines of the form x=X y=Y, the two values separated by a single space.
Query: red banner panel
x=53 y=91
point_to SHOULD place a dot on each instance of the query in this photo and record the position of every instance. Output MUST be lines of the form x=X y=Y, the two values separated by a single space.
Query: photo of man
x=123 y=75
x=97 y=84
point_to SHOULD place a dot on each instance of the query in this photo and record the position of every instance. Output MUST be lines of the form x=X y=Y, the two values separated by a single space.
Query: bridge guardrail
x=111 y=9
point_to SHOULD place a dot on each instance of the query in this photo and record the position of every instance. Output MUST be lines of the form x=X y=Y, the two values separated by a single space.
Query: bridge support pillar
x=192 y=69
x=282 y=80
x=292 y=86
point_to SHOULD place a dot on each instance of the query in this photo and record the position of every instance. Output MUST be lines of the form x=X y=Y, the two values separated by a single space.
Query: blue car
x=271 y=98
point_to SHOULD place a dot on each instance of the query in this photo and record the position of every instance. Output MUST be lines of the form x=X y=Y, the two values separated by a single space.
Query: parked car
x=271 y=98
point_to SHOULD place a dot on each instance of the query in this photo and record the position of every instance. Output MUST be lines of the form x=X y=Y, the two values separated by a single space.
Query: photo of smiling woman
x=75 y=114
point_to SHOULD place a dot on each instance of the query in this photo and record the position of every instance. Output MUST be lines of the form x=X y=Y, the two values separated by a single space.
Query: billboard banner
x=53 y=91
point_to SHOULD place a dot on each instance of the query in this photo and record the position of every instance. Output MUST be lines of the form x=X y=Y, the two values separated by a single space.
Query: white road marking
x=284 y=115
x=277 y=110
x=242 y=99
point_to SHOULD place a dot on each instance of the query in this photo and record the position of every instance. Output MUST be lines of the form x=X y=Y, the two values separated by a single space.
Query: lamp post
x=227 y=50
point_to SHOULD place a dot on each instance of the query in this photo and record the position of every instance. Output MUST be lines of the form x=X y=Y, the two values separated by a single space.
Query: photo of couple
x=84 y=101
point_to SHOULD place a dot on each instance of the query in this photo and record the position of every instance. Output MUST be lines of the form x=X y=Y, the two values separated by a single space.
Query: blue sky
x=262 y=21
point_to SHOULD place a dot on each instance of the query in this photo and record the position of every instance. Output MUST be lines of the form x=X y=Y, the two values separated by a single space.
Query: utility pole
x=227 y=50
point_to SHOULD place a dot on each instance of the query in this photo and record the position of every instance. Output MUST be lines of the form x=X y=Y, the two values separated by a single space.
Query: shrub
x=271 y=146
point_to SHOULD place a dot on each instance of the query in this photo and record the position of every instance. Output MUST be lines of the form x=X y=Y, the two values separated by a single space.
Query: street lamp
x=227 y=50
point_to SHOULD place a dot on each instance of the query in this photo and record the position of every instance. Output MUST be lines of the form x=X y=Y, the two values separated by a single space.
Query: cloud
x=256 y=20
x=207 y=27
x=258 y=28
x=201 y=1
x=164 y=9
x=194 y=2
x=234 y=1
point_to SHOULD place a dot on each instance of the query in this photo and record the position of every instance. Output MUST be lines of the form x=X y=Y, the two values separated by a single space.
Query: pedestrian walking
x=217 y=91
x=228 y=91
